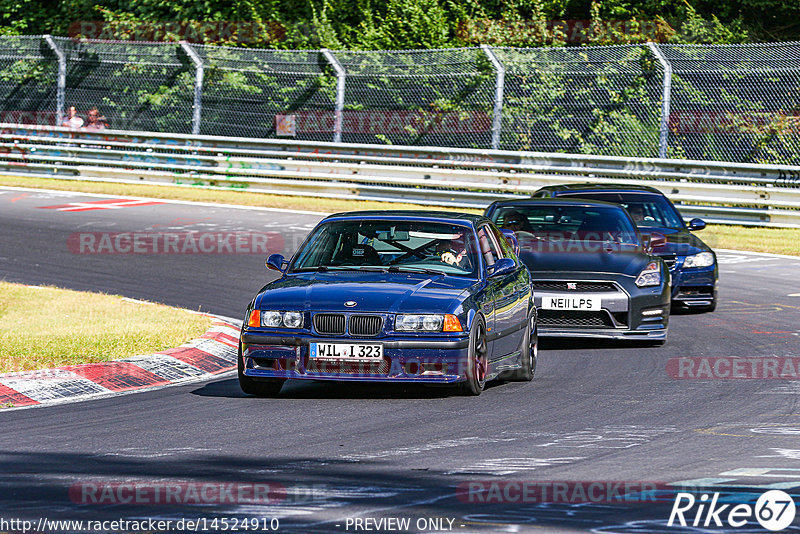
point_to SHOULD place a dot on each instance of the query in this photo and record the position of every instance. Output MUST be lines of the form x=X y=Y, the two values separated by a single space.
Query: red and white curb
x=211 y=354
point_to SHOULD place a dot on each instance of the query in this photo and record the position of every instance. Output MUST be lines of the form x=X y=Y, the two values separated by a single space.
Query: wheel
x=268 y=387
x=477 y=360
x=529 y=352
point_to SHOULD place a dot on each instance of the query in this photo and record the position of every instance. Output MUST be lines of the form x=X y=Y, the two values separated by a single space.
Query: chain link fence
x=738 y=103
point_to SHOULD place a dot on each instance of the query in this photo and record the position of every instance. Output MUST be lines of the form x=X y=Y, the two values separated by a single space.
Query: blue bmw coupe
x=425 y=297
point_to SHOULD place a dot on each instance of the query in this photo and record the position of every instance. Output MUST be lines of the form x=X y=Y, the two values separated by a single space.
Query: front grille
x=329 y=323
x=670 y=261
x=555 y=285
x=575 y=319
x=365 y=325
x=691 y=291
x=348 y=368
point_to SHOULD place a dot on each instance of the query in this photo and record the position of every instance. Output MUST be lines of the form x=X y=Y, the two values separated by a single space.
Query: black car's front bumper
x=627 y=311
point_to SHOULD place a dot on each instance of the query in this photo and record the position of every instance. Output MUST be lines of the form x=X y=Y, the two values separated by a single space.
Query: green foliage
x=399 y=24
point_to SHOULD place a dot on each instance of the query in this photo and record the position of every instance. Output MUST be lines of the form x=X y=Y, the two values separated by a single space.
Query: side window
x=505 y=247
x=488 y=247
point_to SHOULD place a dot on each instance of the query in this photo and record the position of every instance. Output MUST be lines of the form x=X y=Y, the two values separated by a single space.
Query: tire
x=477 y=360
x=267 y=387
x=529 y=352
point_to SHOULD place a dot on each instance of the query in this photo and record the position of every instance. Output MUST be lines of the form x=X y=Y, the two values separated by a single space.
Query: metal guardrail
x=731 y=193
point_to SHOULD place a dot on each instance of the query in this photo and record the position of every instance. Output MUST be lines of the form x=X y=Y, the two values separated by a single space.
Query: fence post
x=497 y=113
x=61 y=88
x=340 y=80
x=197 y=108
x=663 y=138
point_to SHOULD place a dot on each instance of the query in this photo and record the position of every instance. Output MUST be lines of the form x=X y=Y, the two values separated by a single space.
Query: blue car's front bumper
x=694 y=286
x=430 y=360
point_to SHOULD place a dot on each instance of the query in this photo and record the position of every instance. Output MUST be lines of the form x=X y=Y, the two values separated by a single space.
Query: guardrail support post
x=340 y=80
x=663 y=137
x=197 y=107
x=61 y=87
x=500 y=82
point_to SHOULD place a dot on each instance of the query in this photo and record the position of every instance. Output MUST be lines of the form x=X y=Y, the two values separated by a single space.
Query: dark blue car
x=425 y=297
x=692 y=263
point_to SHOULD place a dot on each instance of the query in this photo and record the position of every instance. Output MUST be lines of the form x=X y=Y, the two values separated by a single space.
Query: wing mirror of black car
x=657 y=240
x=695 y=225
x=276 y=262
x=511 y=237
x=503 y=266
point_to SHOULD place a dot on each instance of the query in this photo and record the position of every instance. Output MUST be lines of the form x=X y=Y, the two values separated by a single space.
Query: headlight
x=276 y=319
x=650 y=276
x=427 y=323
x=293 y=320
x=419 y=323
x=704 y=259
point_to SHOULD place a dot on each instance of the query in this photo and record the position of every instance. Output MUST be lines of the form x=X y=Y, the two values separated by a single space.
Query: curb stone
x=211 y=354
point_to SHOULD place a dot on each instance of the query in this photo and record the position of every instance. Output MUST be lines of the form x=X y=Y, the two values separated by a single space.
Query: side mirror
x=276 y=262
x=503 y=266
x=695 y=225
x=657 y=240
x=511 y=237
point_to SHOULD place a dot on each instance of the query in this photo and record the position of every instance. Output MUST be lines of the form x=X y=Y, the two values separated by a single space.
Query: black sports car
x=691 y=262
x=592 y=272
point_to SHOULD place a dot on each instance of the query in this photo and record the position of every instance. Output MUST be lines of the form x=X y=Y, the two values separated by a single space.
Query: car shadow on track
x=301 y=389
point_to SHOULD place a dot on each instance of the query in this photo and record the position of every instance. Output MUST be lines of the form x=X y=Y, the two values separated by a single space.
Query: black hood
x=626 y=262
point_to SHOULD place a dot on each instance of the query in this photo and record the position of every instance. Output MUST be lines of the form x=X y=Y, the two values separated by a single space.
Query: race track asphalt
x=595 y=412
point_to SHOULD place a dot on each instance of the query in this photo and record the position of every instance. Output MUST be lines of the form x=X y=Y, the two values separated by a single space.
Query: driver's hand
x=449 y=258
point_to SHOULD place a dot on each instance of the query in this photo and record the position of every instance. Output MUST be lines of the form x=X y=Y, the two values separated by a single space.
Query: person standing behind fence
x=95 y=121
x=72 y=120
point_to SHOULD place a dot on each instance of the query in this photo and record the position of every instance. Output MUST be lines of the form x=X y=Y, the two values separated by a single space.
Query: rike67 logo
x=774 y=510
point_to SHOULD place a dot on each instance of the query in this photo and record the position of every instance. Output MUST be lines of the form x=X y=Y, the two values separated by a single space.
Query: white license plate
x=571 y=302
x=346 y=351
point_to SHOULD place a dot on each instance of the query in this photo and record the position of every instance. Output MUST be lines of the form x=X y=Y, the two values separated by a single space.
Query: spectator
x=95 y=121
x=72 y=120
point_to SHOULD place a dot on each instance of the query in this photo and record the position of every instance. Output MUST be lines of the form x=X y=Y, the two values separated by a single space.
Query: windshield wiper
x=413 y=269
x=319 y=269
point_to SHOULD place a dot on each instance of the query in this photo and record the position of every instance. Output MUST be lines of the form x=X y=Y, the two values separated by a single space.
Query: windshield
x=567 y=223
x=404 y=246
x=647 y=210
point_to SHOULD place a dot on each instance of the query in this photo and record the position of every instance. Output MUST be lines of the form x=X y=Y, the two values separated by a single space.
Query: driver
x=637 y=213
x=453 y=252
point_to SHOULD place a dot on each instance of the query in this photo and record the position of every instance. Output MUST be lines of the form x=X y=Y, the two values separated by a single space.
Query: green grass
x=758 y=239
x=43 y=327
